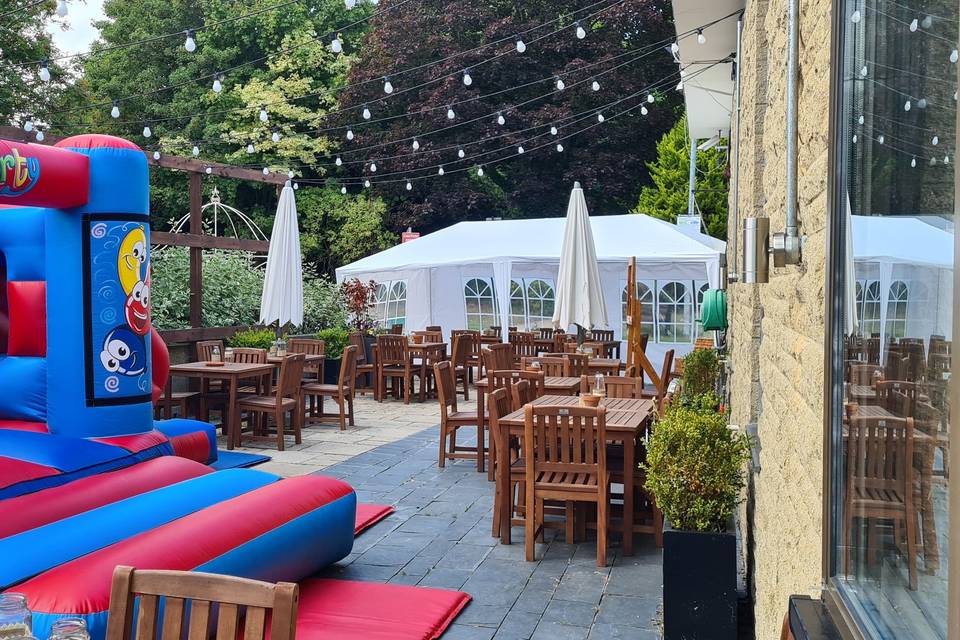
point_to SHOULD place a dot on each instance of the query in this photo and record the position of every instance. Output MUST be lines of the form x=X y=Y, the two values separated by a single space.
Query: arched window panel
x=701 y=288
x=644 y=292
x=396 y=312
x=674 y=312
x=897 y=301
x=480 y=303
x=868 y=304
x=380 y=302
x=518 y=305
x=540 y=302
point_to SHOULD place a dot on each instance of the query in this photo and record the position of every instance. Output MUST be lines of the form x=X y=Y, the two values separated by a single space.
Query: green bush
x=695 y=469
x=256 y=338
x=335 y=341
x=700 y=371
x=708 y=402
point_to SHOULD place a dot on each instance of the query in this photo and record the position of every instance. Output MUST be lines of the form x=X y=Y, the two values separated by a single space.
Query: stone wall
x=777 y=329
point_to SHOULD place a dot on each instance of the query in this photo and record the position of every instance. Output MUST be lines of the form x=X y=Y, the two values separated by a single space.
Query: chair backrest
x=560 y=339
x=392 y=350
x=565 y=439
x=554 y=367
x=249 y=355
x=665 y=373
x=356 y=340
x=614 y=386
x=546 y=333
x=521 y=392
x=290 y=377
x=899 y=396
x=880 y=454
x=348 y=367
x=863 y=374
x=429 y=336
x=435 y=328
x=579 y=364
x=462 y=349
x=536 y=379
x=309 y=346
x=201 y=591
x=475 y=343
x=501 y=378
x=498 y=356
x=498 y=405
x=205 y=349
x=396 y=329
x=602 y=335
x=523 y=344
x=446 y=387
x=497 y=330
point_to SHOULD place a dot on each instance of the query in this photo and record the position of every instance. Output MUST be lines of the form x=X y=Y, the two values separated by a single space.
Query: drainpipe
x=692 y=191
x=734 y=276
x=786 y=246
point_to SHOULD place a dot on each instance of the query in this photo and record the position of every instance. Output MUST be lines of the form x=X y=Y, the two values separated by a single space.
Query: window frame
x=651 y=286
x=480 y=297
x=520 y=293
x=385 y=302
x=676 y=304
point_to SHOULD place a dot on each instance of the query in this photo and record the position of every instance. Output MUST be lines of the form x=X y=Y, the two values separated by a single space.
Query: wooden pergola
x=196 y=239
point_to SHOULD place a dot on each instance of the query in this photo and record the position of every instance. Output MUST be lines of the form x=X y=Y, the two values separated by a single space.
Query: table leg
x=503 y=487
x=481 y=418
x=233 y=427
x=629 y=453
x=931 y=548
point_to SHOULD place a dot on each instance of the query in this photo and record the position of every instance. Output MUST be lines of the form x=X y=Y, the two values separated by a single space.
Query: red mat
x=344 y=609
x=369 y=515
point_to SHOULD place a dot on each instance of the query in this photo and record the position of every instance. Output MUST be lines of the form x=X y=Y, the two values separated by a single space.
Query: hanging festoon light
x=922 y=103
x=927 y=22
x=595 y=85
x=39 y=135
x=467 y=78
x=855 y=16
x=600 y=117
x=580 y=31
x=913 y=161
x=250 y=148
x=115 y=110
x=440 y=171
x=190 y=44
x=461 y=153
x=343 y=190
x=560 y=84
x=933 y=161
x=196 y=150
x=338 y=161
x=860 y=119
x=854 y=138
x=500 y=119
x=935 y=140
x=366 y=183
x=559 y=148
x=28 y=125
x=290 y=174
x=373 y=167
x=349 y=134
x=553 y=130
x=62 y=8
x=146 y=131
x=521 y=45
x=218 y=83
x=701 y=39
x=450 y=113
x=264 y=116
x=266 y=171
x=409 y=186
x=946 y=159
x=480 y=171
x=366 y=113
x=45 y=70
x=650 y=98
x=275 y=136
x=643 y=110
x=296 y=186
x=208 y=170
x=387 y=85
x=336 y=45
x=416 y=144
x=520 y=150
x=907 y=106
x=156 y=155
x=914 y=24
x=863 y=71
x=880 y=138
x=953 y=56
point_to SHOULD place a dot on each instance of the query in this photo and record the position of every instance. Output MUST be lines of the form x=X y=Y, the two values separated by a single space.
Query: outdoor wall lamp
x=756 y=250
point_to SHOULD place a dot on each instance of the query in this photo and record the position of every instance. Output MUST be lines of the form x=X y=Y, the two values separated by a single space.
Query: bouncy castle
x=88 y=480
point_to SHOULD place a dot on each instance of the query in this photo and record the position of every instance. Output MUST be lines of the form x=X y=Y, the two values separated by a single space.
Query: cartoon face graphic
x=124 y=352
x=137 y=308
x=131 y=258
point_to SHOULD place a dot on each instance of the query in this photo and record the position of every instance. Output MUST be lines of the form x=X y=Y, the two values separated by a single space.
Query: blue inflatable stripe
x=31 y=552
x=60 y=452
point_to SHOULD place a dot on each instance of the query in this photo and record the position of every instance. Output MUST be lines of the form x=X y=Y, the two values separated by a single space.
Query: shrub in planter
x=255 y=338
x=695 y=471
x=335 y=341
x=700 y=370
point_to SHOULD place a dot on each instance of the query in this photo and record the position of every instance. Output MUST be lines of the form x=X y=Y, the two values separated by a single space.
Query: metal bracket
x=785 y=249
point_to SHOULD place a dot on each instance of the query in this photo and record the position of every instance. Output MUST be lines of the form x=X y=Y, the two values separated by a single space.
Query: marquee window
x=481 y=303
x=390 y=304
x=674 y=312
x=897 y=309
x=531 y=302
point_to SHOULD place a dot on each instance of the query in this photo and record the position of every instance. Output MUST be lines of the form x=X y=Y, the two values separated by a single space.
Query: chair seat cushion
x=266 y=402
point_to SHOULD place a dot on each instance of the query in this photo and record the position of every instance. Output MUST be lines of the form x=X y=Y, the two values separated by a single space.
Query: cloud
x=80 y=32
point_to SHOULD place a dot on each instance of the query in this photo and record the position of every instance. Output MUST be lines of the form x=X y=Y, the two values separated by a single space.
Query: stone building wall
x=777 y=329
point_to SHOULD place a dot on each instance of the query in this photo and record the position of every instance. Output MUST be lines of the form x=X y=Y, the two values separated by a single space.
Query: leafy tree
x=670 y=172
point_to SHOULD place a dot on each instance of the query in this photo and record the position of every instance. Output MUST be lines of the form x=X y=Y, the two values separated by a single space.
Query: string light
x=935 y=140
x=416 y=144
x=39 y=135
x=409 y=186
x=600 y=117
x=880 y=138
x=264 y=116
x=854 y=138
x=295 y=186
x=559 y=147
x=196 y=150
x=146 y=131
x=266 y=171
x=863 y=71
x=560 y=84
x=855 y=16
x=461 y=153
x=28 y=125
x=953 y=56
x=190 y=44
x=650 y=98
x=520 y=149
x=275 y=136
x=387 y=85
x=290 y=174
x=62 y=8
x=209 y=170
x=913 y=161
x=115 y=111
x=913 y=25
x=366 y=113
x=906 y=106
x=373 y=167
x=338 y=161
x=467 y=79
x=480 y=171
x=156 y=155
x=45 y=71
x=335 y=44
x=643 y=110
x=440 y=171
x=927 y=22
x=500 y=119
x=450 y=113
x=946 y=159
x=860 y=119
x=553 y=130
x=701 y=39
x=250 y=148
x=366 y=183
x=349 y=134
x=218 y=83
x=343 y=190
x=581 y=32
x=595 y=85
x=521 y=45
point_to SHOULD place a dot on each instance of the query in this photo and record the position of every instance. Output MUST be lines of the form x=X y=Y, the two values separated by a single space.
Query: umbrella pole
x=581 y=335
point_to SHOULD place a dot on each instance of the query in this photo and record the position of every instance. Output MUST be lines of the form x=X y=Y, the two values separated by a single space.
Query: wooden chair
x=658 y=392
x=365 y=370
x=286 y=398
x=212 y=392
x=341 y=393
x=497 y=330
x=460 y=358
x=434 y=327
x=205 y=349
x=546 y=333
x=474 y=359
x=498 y=357
x=614 y=386
x=601 y=336
x=565 y=458
x=310 y=347
x=522 y=392
x=554 y=367
x=579 y=364
x=451 y=419
x=394 y=363
x=880 y=485
x=560 y=340
x=396 y=329
x=251 y=355
x=189 y=599
x=184 y=401
x=523 y=345
x=498 y=406
x=429 y=336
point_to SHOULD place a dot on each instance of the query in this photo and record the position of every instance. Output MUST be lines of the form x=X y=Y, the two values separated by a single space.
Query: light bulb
x=913 y=161
x=855 y=17
x=250 y=147
x=863 y=71
x=600 y=117
x=275 y=136
x=450 y=114
x=521 y=47
x=680 y=86
x=559 y=147
x=520 y=150
x=467 y=79
x=927 y=22
x=581 y=32
x=209 y=170
x=264 y=116
x=650 y=98
x=500 y=119
x=115 y=111
x=266 y=171
x=854 y=138
x=922 y=103
x=295 y=186
x=338 y=161
x=28 y=125
x=146 y=131
x=416 y=144
x=387 y=85
x=217 y=84
x=440 y=171
x=880 y=138
x=366 y=183
x=343 y=190
x=461 y=153
x=366 y=112
x=349 y=134
x=480 y=171
x=190 y=45
x=350 y=4
x=953 y=56
x=933 y=161
x=409 y=186
x=156 y=155
x=935 y=140
x=643 y=110
x=595 y=85
x=336 y=45
x=674 y=48
x=946 y=159
x=553 y=130
x=906 y=106
x=39 y=135
x=860 y=119
x=290 y=174
x=44 y=71
x=560 y=84
x=913 y=25
x=62 y=8
x=701 y=39
x=373 y=167
x=196 y=150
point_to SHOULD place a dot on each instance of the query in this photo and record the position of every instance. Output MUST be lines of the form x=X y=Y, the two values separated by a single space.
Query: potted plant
x=253 y=338
x=335 y=341
x=695 y=471
x=359 y=298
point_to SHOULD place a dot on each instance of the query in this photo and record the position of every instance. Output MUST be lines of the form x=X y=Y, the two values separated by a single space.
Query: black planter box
x=699 y=585
x=331 y=370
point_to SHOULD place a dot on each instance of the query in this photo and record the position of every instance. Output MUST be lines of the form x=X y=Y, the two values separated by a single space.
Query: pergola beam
x=208 y=242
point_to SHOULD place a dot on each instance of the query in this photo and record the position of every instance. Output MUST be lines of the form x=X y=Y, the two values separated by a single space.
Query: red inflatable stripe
x=43 y=507
x=135 y=443
x=193 y=446
x=13 y=471
x=27 y=309
x=183 y=544
x=24 y=425
x=40 y=176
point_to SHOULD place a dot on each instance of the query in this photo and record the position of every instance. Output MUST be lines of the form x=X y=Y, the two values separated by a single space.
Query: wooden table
x=606 y=366
x=609 y=346
x=309 y=358
x=231 y=373
x=627 y=420
x=861 y=392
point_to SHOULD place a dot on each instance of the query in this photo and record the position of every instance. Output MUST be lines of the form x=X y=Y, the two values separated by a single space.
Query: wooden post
x=196 y=253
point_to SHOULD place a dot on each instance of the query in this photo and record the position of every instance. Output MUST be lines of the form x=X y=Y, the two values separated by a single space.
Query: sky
x=80 y=33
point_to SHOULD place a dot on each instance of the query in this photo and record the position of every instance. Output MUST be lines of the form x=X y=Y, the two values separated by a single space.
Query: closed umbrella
x=282 y=299
x=579 y=298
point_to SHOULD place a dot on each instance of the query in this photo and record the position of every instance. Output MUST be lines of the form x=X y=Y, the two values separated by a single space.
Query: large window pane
x=896 y=138
x=480 y=301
